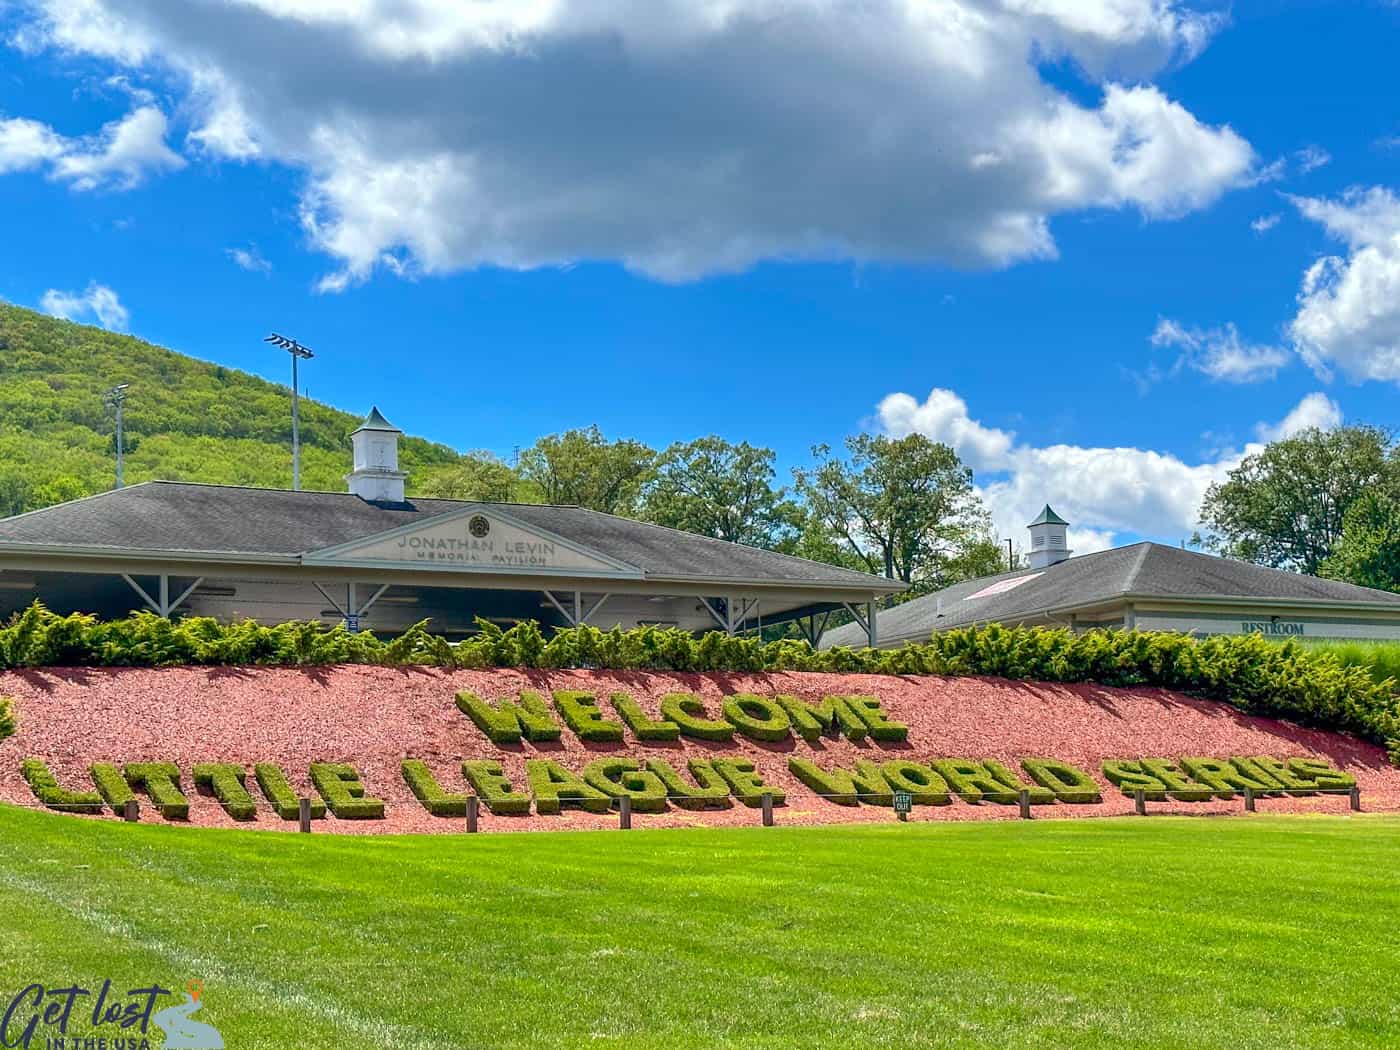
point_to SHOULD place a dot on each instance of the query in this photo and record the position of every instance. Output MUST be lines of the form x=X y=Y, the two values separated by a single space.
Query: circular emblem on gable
x=478 y=526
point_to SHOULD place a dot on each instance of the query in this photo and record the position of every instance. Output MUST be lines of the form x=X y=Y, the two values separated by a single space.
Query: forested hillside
x=186 y=420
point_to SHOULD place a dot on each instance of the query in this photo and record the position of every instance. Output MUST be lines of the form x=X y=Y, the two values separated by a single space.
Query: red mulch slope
x=374 y=717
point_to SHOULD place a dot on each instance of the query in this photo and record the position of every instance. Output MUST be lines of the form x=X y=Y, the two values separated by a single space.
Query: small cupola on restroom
x=1049 y=539
x=376 y=475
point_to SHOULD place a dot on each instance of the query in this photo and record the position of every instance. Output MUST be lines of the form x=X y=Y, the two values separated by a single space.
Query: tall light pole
x=116 y=398
x=298 y=352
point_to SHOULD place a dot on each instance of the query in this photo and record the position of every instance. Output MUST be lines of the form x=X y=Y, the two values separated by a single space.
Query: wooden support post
x=132 y=812
x=304 y=815
x=472 y=813
x=768 y=809
x=1140 y=802
x=624 y=812
x=1248 y=799
x=1355 y=794
x=1024 y=798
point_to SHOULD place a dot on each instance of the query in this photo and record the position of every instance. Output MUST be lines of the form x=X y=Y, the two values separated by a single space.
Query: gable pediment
x=474 y=539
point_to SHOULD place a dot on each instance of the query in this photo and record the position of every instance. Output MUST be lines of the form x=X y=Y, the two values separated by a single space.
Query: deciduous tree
x=1284 y=506
x=719 y=489
x=584 y=468
x=904 y=507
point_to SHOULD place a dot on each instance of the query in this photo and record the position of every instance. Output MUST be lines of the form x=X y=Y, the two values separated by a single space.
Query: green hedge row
x=340 y=786
x=1200 y=779
x=46 y=789
x=227 y=782
x=282 y=795
x=1255 y=675
x=428 y=791
x=8 y=720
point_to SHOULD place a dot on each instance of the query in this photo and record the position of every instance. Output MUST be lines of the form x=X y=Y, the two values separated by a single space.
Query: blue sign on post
x=903 y=802
x=352 y=623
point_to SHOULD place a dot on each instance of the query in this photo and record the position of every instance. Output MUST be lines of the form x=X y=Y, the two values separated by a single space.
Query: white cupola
x=376 y=475
x=1049 y=539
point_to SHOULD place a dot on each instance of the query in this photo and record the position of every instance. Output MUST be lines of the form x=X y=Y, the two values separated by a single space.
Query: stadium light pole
x=298 y=352
x=116 y=398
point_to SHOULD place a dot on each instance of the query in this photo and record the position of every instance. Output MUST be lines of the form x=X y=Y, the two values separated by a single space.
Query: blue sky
x=760 y=219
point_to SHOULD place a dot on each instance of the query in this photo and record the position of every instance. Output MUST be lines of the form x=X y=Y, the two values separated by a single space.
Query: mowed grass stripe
x=1238 y=932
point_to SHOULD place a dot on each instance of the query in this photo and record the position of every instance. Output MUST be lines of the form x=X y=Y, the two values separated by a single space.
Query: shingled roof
x=1141 y=571
x=229 y=520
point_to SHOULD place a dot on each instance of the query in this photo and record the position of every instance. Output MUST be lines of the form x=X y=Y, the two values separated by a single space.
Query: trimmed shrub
x=827 y=715
x=1310 y=686
x=47 y=790
x=1278 y=769
x=111 y=785
x=428 y=791
x=344 y=793
x=643 y=726
x=1222 y=776
x=1039 y=795
x=919 y=780
x=746 y=784
x=509 y=720
x=555 y=787
x=867 y=709
x=582 y=715
x=618 y=777
x=226 y=781
x=709 y=790
x=844 y=787
x=1131 y=777
x=8 y=721
x=282 y=795
x=757 y=718
x=494 y=788
x=1321 y=773
x=973 y=782
x=1067 y=783
x=688 y=712
x=162 y=782
x=1180 y=788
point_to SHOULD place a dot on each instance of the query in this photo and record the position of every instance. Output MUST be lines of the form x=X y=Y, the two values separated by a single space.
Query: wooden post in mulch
x=304 y=814
x=1024 y=798
x=132 y=812
x=624 y=812
x=472 y=803
x=1355 y=794
x=767 y=809
x=1248 y=799
x=1140 y=802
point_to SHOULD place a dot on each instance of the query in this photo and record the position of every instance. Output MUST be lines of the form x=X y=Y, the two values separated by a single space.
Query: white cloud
x=1349 y=308
x=1310 y=158
x=1219 y=353
x=680 y=137
x=27 y=144
x=1317 y=411
x=249 y=259
x=120 y=156
x=97 y=302
x=943 y=417
x=1265 y=223
x=1102 y=491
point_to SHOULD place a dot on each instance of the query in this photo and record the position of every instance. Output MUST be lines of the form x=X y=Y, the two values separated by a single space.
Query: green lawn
x=1159 y=932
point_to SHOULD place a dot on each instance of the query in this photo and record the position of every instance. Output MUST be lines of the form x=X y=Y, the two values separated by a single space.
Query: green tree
x=1284 y=506
x=476 y=476
x=1369 y=550
x=901 y=507
x=582 y=467
x=718 y=489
